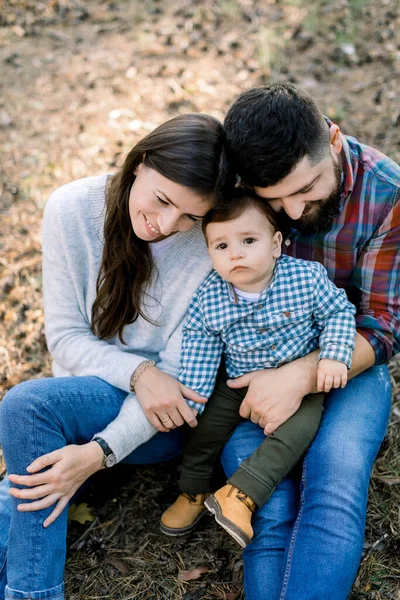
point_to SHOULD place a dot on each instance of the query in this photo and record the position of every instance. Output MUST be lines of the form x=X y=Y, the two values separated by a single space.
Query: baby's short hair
x=241 y=199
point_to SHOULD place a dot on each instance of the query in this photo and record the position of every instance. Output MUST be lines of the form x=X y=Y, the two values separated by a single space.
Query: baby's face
x=244 y=250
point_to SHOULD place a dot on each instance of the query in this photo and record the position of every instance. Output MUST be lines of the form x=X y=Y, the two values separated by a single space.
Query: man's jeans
x=307 y=545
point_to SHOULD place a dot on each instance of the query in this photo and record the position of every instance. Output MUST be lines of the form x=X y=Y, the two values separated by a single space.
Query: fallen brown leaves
x=193 y=573
x=81 y=82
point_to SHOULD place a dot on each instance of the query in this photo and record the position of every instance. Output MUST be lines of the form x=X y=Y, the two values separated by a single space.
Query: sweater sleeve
x=129 y=429
x=69 y=337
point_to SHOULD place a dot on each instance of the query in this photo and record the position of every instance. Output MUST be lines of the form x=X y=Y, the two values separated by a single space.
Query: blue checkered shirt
x=300 y=311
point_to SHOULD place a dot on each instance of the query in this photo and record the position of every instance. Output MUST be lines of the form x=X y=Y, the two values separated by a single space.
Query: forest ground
x=80 y=83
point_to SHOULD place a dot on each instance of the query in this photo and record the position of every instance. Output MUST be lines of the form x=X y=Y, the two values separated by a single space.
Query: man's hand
x=331 y=374
x=274 y=395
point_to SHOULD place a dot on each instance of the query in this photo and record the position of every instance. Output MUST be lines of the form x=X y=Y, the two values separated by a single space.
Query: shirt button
x=262 y=330
x=259 y=307
x=273 y=347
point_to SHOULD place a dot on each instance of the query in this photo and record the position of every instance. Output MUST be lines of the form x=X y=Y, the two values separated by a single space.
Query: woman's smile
x=151 y=230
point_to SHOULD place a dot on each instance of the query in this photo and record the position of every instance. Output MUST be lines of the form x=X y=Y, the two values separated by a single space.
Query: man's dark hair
x=240 y=200
x=269 y=131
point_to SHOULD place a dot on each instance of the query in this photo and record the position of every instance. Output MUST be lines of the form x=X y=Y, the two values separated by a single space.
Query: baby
x=257 y=309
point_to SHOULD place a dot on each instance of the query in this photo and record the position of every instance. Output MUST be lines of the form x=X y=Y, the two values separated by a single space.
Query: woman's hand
x=69 y=468
x=274 y=395
x=163 y=400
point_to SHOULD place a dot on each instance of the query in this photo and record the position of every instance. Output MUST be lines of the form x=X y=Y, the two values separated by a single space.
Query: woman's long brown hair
x=189 y=150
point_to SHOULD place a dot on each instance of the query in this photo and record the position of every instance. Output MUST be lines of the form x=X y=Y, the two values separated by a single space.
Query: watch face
x=110 y=460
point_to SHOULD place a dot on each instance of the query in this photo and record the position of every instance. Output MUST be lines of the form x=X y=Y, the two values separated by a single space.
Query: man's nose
x=293 y=208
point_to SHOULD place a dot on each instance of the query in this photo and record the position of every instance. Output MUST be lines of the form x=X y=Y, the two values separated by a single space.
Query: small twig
x=118 y=525
x=84 y=534
x=374 y=545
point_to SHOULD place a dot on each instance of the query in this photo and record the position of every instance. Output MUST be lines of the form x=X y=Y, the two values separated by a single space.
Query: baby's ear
x=277 y=244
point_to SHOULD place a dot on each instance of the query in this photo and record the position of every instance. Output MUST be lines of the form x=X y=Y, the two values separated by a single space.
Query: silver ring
x=166 y=420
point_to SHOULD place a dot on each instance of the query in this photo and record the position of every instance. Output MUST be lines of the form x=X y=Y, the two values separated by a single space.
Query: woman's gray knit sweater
x=72 y=248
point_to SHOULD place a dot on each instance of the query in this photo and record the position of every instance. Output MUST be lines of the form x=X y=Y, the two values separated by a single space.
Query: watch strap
x=109 y=458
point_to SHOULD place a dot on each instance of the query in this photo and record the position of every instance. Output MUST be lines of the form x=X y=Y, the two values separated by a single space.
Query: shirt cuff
x=196 y=405
x=335 y=352
x=381 y=344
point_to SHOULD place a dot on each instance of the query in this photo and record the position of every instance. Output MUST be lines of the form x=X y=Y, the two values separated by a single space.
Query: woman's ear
x=139 y=168
x=277 y=244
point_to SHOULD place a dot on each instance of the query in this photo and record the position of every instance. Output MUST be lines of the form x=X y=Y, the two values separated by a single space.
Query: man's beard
x=323 y=217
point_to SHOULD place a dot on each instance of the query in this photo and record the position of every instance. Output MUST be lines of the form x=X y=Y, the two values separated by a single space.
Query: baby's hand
x=331 y=374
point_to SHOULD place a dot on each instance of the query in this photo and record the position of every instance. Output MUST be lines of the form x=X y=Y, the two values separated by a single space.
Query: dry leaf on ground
x=193 y=573
x=81 y=513
x=120 y=565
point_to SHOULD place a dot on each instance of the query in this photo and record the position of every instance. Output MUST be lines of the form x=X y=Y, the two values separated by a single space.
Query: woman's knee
x=20 y=402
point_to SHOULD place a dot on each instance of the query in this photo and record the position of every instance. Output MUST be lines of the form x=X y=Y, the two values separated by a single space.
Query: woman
x=122 y=256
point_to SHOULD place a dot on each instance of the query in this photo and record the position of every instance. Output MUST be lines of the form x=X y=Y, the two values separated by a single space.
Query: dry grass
x=81 y=82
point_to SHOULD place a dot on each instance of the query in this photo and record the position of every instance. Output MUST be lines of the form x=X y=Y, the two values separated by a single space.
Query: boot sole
x=238 y=534
x=177 y=531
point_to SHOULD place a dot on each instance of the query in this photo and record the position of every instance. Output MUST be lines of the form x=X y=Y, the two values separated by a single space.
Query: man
x=340 y=203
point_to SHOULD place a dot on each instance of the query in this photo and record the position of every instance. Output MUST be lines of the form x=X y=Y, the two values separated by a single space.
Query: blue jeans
x=319 y=526
x=309 y=537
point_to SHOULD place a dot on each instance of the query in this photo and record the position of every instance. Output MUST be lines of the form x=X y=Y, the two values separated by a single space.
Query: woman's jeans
x=307 y=542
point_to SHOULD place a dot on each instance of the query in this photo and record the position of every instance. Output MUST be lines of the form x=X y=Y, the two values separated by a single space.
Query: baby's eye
x=249 y=240
x=221 y=246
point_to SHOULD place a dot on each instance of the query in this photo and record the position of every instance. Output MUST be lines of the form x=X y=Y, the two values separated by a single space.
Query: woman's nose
x=168 y=224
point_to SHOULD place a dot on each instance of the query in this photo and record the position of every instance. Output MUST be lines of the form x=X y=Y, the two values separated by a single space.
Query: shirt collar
x=234 y=298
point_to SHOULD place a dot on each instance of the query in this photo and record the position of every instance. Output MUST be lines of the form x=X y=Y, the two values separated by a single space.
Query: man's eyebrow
x=173 y=204
x=302 y=189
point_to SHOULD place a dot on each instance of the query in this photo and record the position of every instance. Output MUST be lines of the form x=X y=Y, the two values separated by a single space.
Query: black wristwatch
x=109 y=459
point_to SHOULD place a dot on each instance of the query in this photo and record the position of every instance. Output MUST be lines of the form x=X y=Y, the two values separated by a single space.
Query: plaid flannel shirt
x=300 y=311
x=361 y=250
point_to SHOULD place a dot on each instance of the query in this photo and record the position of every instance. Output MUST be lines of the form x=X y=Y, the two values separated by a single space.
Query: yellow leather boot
x=233 y=510
x=184 y=514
